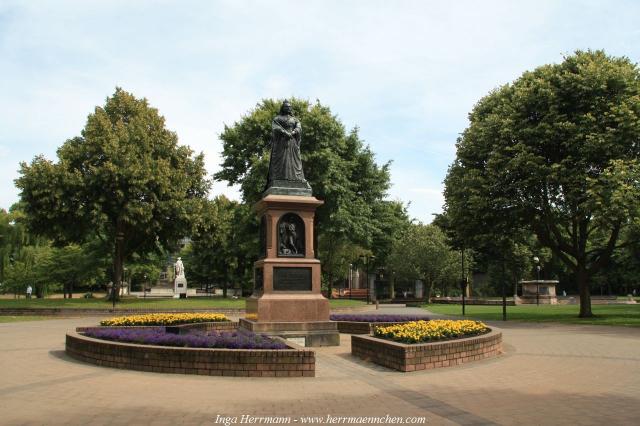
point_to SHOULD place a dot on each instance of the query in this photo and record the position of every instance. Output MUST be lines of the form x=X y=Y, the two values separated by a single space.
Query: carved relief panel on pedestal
x=291 y=236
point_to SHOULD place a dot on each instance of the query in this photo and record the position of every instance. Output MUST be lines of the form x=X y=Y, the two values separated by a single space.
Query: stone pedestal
x=286 y=299
x=542 y=292
x=180 y=287
x=303 y=333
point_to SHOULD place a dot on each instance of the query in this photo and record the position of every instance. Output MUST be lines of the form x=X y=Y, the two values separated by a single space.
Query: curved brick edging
x=424 y=356
x=213 y=362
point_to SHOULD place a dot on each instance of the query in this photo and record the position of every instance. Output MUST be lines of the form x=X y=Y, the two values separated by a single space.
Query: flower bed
x=176 y=329
x=365 y=323
x=159 y=337
x=163 y=319
x=424 y=356
x=430 y=331
x=377 y=318
x=291 y=361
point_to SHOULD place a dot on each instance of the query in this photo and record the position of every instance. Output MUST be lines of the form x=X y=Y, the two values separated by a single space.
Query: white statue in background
x=180 y=281
x=179 y=268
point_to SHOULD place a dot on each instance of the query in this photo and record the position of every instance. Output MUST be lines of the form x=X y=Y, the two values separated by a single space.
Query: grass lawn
x=624 y=315
x=346 y=303
x=19 y=318
x=190 y=303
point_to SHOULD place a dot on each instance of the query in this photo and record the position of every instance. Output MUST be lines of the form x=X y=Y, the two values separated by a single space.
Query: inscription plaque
x=291 y=279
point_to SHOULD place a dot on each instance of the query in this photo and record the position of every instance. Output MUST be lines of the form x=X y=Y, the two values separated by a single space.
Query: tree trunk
x=330 y=286
x=582 y=279
x=430 y=290
x=392 y=287
x=68 y=290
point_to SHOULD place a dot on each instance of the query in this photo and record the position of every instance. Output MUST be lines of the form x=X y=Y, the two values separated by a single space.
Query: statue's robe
x=285 y=162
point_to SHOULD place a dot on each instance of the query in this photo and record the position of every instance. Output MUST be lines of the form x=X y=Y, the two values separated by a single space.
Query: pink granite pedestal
x=287 y=299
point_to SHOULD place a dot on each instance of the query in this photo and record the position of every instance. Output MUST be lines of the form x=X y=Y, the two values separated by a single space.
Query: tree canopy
x=422 y=252
x=555 y=152
x=224 y=244
x=124 y=180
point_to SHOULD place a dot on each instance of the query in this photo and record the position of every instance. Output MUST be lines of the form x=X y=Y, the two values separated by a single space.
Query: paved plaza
x=549 y=374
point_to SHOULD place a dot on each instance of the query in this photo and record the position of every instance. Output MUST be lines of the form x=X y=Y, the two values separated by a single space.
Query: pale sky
x=406 y=73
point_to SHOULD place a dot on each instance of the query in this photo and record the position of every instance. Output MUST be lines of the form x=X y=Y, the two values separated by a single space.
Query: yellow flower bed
x=429 y=331
x=164 y=319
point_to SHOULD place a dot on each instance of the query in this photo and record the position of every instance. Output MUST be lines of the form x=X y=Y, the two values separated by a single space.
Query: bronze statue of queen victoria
x=285 y=165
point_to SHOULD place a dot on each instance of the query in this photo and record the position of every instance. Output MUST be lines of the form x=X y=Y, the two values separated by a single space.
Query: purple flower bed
x=157 y=336
x=377 y=318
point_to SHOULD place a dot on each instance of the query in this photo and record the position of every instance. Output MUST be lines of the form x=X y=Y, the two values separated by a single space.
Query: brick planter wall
x=424 y=356
x=292 y=362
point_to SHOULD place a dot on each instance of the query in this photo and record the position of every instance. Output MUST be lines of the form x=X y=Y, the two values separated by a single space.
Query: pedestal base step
x=308 y=334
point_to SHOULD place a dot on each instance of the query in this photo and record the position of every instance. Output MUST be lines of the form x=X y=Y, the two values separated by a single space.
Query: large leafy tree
x=27 y=259
x=224 y=244
x=11 y=240
x=32 y=268
x=620 y=275
x=422 y=252
x=20 y=254
x=555 y=152
x=506 y=255
x=75 y=265
x=341 y=170
x=145 y=268
x=124 y=180
x=338 y=251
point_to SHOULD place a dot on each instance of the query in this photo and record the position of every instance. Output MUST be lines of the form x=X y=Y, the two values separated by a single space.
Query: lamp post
x=392 y=284
x=536 y=259
x=350 y=279
x=368 y=259
x=125 y=276
x=463 y=281
x=504 y=292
